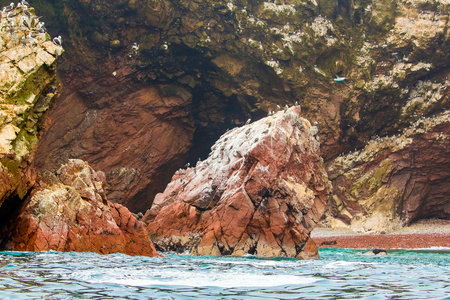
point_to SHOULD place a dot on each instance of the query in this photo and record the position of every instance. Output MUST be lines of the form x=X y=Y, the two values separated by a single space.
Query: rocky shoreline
x=425 y=234
x=385 y=241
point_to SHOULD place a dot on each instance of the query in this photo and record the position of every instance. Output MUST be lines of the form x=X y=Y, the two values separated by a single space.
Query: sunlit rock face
x=68 y=211
x=261 y=191
x=28 y=87
x=393 y=181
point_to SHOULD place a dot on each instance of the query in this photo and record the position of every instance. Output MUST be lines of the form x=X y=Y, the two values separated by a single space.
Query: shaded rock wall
x=69 y=211
x=261 y=191
x=27 y=89
x=395 y=180
x=139 y=139
x=240 y=60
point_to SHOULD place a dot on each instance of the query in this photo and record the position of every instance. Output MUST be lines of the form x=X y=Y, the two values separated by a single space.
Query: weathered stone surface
x=69 y=211
x=261 y=191
x=27 y=89
x=138 y=139
x=394 y=181
x=239 y=63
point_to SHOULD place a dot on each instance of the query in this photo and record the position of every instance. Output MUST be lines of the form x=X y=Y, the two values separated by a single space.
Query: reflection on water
x=339 y=274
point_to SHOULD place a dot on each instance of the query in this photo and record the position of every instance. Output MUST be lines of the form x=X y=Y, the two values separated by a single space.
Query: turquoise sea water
x=339 y=274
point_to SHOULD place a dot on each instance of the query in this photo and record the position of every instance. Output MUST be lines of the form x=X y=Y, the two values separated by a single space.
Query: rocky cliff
x=68 y=211
x=28 y=87
x=151 y=84
x=394 y=180
x=261 y=191
x=360 y=68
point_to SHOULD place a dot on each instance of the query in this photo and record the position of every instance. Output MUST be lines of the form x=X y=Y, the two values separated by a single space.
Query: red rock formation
x=70 y=212
x=394 y=181
x=261 y=191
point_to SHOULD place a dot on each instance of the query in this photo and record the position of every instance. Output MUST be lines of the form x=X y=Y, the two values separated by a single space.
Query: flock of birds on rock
x=22 y=26
x=286 y=107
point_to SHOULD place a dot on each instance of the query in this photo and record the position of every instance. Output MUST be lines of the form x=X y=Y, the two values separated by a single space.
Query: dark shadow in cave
x=9 y=211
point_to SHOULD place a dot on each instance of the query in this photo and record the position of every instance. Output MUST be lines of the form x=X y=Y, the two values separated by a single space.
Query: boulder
x=69 y=211
x=261 y=191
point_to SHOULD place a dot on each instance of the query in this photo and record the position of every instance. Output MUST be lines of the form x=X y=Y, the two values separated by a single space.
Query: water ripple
x=339 y=274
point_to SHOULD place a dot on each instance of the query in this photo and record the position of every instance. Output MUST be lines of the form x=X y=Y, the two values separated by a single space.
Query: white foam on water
x=433 y=249
x=194 y=279
x=234 y=280
x=262 y=263
x=340 y=264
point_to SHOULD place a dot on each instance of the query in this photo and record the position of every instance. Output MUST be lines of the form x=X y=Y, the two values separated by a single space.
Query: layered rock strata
x=261 y=191
x=394 y=180
x=69 y=211
x=27 y=89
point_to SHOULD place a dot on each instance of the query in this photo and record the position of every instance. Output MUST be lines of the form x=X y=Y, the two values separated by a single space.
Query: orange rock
x=261 y=190
x=72 y=214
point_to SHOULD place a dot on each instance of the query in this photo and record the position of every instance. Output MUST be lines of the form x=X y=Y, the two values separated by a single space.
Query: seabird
x=9 y=8
x=57 y=41
x=25 y=3
x=339 y=79
x=248 y=121
x=32 y=40
x=10 y=15
x=26 y=12
x=24 y=41
x=24 y=21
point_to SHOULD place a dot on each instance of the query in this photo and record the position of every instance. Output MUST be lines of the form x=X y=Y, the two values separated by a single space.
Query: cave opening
x=9 y=211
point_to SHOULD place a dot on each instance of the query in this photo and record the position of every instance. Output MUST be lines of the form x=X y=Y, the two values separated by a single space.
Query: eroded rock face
x=239 y=60
x=138 y=138
x=69 y=211
x=261 y=191
x=27 y=89
x=394 y=180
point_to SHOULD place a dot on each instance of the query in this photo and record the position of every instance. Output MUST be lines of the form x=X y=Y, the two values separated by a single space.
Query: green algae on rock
x=28 y=86
x=393 y=181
